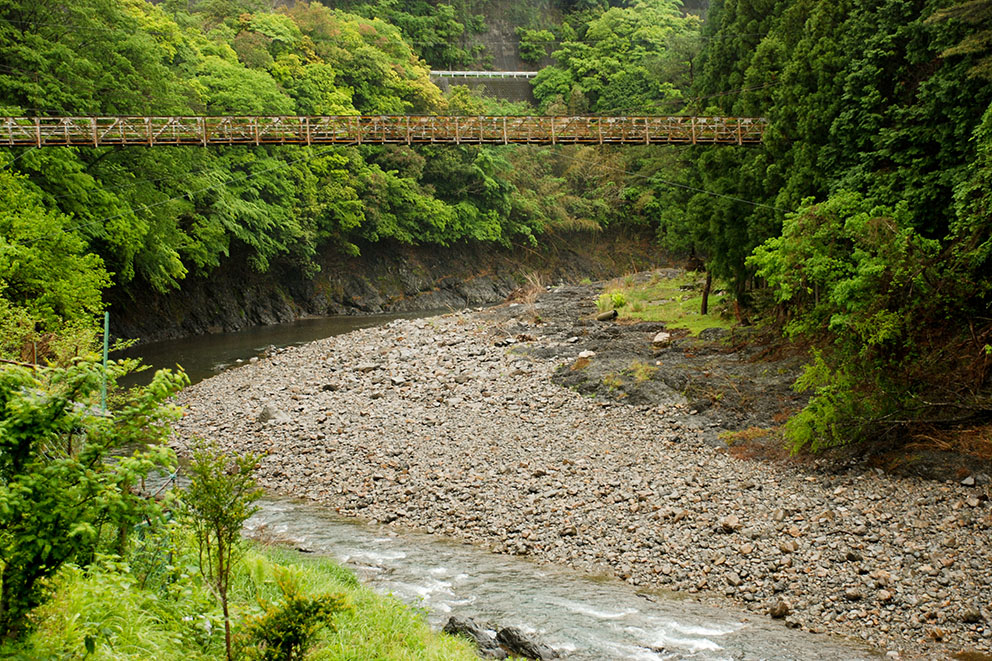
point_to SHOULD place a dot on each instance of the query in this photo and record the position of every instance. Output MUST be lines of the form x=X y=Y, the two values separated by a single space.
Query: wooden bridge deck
x=358 y=130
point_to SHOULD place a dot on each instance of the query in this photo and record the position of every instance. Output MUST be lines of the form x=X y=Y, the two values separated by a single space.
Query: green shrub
x=67 y=473
x=286 y=630
x=883 y=307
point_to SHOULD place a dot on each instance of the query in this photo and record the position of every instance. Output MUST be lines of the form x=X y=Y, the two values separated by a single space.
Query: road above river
x=455 y=425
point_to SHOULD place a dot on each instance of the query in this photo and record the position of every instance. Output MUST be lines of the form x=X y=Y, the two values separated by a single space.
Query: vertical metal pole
x=106 y=347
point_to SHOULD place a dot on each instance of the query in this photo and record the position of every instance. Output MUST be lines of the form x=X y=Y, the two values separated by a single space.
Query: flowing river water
x=582 y=616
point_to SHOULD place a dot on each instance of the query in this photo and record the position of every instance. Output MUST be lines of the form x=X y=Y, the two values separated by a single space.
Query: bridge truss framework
x=379 y=129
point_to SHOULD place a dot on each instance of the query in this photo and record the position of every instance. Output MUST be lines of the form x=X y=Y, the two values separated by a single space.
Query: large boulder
x=484 y=641
x=514 y=642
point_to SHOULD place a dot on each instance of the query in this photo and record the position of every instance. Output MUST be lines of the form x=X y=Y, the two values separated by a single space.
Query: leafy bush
x=67 y=472
x=288 y=628
x=884 y=309
x=534 y=44
x=611 y=300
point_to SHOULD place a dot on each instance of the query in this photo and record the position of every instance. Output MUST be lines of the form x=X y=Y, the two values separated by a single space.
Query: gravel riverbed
x=455 y=425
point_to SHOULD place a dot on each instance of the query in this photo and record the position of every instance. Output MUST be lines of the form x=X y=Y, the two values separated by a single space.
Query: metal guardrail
x=383 y=129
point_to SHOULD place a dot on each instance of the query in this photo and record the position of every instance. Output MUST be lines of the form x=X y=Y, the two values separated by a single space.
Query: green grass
x=662 y=299
x=178 y=618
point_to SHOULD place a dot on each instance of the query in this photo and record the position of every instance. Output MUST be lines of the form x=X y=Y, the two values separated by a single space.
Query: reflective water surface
x=203 y=356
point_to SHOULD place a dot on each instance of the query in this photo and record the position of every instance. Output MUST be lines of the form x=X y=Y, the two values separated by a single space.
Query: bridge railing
x=378 y=129
x=484 y=74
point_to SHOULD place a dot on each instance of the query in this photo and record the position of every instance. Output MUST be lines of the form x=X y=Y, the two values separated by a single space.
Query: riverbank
x=456 y=426
x=166 y=613
x=387 y=277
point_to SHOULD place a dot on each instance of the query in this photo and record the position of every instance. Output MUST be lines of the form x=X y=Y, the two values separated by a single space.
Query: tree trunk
x=705 y=307
x=227 y=625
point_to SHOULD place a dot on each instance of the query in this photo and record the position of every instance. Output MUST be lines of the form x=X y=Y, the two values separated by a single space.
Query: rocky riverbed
x=462 y=425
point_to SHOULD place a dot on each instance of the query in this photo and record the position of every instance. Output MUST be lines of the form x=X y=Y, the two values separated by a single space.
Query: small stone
x=729 y=524
x=606 y=316
x=973 y=502
x=734 y=579
x=852 y=594
x=587 y=354
x=662 y=340
x=852 y=556
x=971 y=616
x=968 y=481
x=884 y=595
x=780 y=609
x=789 y=546
x=270 y=413
x=746 y=549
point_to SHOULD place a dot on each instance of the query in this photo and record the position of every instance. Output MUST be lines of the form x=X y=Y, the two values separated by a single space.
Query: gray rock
x=969 y=481
x=606 y=316
x=484 y=641
x=365 y=368
x=661 y=340
x=515 y=642
x=270 y=413
x=972 y=616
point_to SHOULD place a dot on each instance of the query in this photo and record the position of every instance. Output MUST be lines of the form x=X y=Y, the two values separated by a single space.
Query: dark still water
x=203 y=356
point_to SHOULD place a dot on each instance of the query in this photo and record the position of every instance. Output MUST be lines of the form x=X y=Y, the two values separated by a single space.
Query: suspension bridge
x=377 y=130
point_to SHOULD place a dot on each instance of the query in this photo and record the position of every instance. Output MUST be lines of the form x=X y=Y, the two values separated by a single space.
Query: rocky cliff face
x=385 y=278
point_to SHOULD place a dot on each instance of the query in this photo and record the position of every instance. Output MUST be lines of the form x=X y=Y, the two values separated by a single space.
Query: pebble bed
x=450 y=426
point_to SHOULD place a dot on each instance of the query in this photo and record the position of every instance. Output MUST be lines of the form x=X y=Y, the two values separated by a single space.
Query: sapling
x=220 y=498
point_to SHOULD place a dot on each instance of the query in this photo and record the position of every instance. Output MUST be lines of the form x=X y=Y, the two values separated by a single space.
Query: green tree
x=68 y=472
x=44 y=266
x=217 y=502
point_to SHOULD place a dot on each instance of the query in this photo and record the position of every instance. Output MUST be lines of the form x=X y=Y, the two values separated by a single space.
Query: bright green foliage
x=217 y=502
x=884 y=303
x=44 y=268
x=874 y=113
x=844 y=268
x=535 y=44
x=155 y=217
x=177 y=619
x=287 y=629
x=62 y=499
x=629 y=60
x=436 y=29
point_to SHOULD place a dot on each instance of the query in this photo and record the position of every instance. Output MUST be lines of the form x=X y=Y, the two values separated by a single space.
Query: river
x=584 y=617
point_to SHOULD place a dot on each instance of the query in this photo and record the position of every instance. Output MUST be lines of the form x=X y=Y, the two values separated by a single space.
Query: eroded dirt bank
x=386 y=277
x=459 y=425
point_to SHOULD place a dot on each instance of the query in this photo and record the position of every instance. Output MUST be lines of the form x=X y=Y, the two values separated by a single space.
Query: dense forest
x=859 y=234
x=861 y=226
